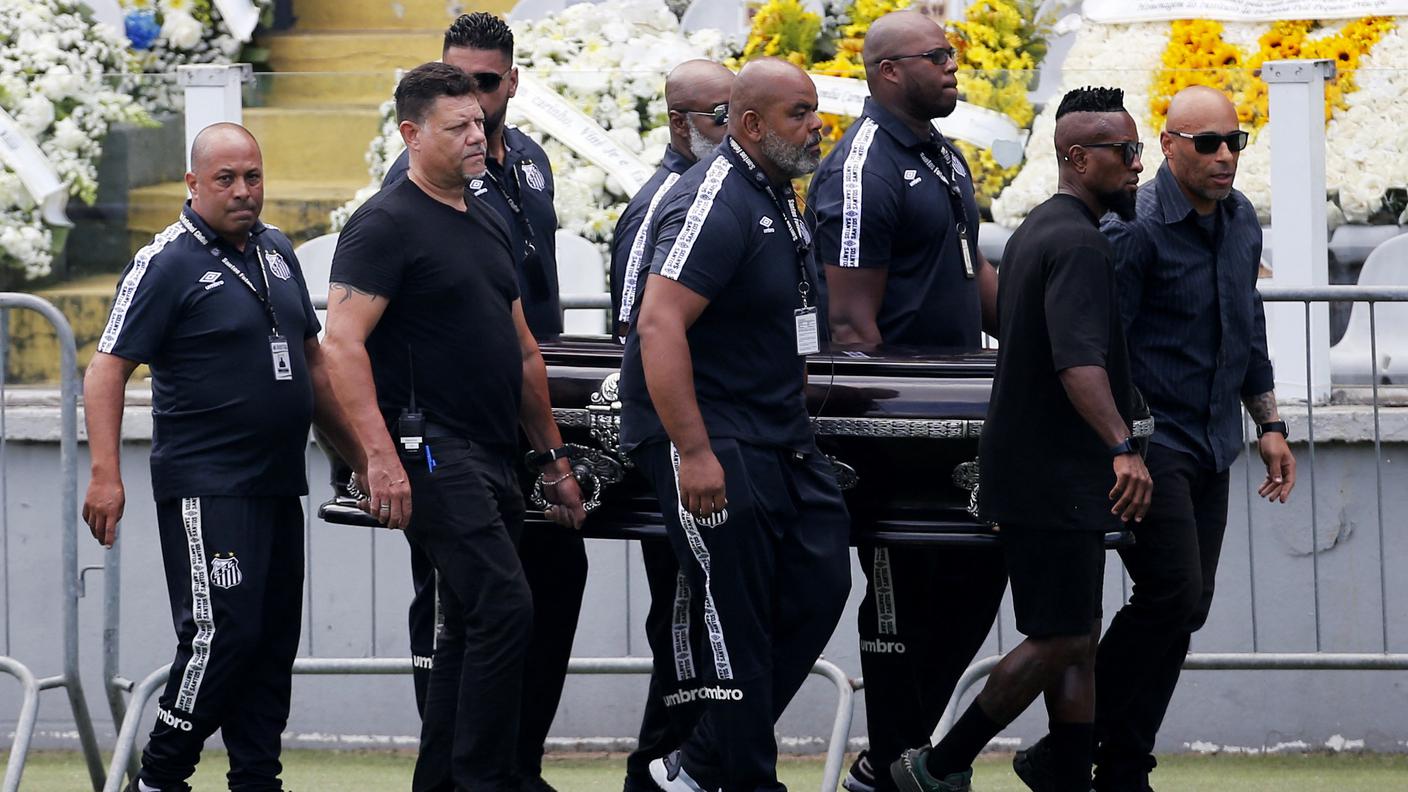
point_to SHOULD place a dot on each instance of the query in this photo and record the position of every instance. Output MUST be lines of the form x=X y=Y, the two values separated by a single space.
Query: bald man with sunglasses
x=1187 y=269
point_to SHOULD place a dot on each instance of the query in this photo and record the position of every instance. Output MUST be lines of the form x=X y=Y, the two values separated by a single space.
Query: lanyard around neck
x=786 y=205
x=266 y=299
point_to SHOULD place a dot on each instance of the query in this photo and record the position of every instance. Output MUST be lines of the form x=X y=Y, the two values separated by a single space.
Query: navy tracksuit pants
x=770 y=577
x=925 y=614
x=673 y=630
x=234 y=574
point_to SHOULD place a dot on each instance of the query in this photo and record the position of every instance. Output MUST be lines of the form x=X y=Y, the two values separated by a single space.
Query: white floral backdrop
x=610 y=61
x=1366 y=144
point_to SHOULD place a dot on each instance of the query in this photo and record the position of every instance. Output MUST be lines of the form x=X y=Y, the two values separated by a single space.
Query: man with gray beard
x=696 y=92
x=715 y=417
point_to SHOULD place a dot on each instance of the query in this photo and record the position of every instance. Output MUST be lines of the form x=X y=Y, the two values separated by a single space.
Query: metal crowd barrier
x=68 y=678
x=1318 y=660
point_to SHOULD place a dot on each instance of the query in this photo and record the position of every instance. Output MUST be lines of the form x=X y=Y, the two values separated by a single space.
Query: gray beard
x=792 y=160
x=699 y=146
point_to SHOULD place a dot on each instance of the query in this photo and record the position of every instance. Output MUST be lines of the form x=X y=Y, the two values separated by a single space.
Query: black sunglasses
x=1132 y=149
x=937 y=56
x=719 y=113
x=1210 y=142
x=488 y=82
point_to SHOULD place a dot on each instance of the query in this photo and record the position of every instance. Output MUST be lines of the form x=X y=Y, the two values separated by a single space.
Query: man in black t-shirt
x=714 y=415
x=696 y=93
x=1056 y=451
x=897 y=232
x=430 y=353
x=217 y=307
x=517 y=184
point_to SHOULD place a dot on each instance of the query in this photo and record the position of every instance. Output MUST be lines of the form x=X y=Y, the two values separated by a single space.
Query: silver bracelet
x=554 y=482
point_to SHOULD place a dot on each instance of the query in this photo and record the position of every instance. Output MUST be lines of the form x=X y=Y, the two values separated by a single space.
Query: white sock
x=142 y=787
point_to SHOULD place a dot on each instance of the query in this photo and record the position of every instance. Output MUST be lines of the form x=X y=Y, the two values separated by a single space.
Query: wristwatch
x=540 y=458
x=1273 y=426
x=1126 y=446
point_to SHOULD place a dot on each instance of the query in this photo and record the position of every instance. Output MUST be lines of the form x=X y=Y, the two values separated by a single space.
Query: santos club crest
x=225 y=571
x=277 y=265
x=534 y=177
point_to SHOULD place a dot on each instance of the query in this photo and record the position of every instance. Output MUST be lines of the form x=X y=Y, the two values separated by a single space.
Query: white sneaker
x=670 y=775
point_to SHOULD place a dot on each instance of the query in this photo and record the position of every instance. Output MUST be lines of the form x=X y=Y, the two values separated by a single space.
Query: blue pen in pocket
x=429 y=460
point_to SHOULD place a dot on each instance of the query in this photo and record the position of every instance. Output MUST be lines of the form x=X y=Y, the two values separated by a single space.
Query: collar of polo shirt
x=1174 y=205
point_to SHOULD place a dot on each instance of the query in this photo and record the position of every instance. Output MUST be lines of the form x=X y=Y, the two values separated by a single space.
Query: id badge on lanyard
x=808 y=340
x=283 y=365
x=960 y=213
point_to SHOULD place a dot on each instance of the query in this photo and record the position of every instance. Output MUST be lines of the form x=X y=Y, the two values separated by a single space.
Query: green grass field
x=354 y=771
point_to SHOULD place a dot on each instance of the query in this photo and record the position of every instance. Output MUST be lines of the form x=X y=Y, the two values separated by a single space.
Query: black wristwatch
x=540 y=458
x=1126 y=446
x=1273 y=426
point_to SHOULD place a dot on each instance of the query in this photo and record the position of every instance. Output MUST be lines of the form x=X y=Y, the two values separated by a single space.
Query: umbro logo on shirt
x=477 y=185
x=912 y=176
x=766 y=223
x=211 y=279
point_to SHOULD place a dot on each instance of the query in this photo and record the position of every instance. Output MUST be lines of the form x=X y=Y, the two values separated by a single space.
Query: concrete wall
x=358 y=586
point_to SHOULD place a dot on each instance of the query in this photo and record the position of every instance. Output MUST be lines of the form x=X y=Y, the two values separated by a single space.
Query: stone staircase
x=313 y=116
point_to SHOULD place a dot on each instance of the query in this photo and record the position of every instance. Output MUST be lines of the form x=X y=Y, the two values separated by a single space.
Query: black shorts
x=1057 y=578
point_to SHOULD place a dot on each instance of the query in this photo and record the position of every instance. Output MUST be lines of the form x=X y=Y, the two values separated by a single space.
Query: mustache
x=480 y=149
x=814 y=139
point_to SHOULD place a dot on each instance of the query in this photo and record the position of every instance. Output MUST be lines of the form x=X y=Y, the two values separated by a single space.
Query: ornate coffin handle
x=593 y=469
x=604 y=417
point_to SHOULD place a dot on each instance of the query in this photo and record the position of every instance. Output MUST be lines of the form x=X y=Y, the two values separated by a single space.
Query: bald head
x=219 y=139
x=914 y=88
x=692 y=91
x=898 y=33
x=772 y=113
x=1199 y=108
x=226 y=180
x=1204 y=175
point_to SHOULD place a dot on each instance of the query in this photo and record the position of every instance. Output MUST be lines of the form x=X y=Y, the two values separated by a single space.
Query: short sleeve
x=146 y=305
x=1078 y=302
x=370 y=254
x=698 y=240
x=857 y=209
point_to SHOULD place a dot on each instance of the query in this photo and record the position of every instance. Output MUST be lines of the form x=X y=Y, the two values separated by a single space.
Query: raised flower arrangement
x=164 y=34
x=53 y=62
x=610 y=61
x=1364 y=138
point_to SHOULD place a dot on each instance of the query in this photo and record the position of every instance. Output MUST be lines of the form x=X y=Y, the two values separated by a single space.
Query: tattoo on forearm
x=1262 y=407
x=347 y=290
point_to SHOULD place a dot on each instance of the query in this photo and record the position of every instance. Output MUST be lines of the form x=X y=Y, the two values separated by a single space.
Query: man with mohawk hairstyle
x=1062 y=400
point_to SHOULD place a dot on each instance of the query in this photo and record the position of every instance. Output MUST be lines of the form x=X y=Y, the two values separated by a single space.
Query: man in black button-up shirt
x=1187 y=268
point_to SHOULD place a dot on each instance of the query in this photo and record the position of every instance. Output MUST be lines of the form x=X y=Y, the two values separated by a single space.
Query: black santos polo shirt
x=526 y=175
x=222 y=424
x=882 y=201
x=721 y=235
x=630 y=249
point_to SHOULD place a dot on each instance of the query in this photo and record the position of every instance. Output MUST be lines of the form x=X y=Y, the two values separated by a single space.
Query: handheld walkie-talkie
x=410 y=426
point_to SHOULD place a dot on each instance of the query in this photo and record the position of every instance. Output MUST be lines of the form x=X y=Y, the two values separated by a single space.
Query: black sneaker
x=911 y=775
x=1033 y=766
x=862 y=777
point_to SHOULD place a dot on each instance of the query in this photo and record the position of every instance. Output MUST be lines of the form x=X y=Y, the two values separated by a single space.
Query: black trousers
x=468 y=512
x=925 y=615
x=672 y=628
x=554 y=561
x=234 y=575
x=1172 y=564
x=771 y=574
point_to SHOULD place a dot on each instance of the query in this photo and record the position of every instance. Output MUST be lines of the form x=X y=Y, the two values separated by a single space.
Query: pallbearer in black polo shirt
x=696 y=93
x=217 y=307
x=715 y=417
x=1058 y=466
x=1187 y=267
x=897 y=232
x=430 y=353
